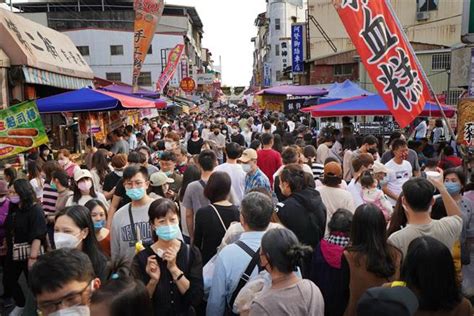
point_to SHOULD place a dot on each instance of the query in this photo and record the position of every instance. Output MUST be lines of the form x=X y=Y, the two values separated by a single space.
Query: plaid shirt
x=257 y=180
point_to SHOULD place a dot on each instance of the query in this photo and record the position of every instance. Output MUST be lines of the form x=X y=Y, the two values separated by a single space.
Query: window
x=441 y=61
x=113 y=76
x=145 y=79
x=427 y=5
x=116 y=50
x=150 y=50
x=277 y=50
x=84 y=50
x=343 y=69
x=277 y=24
x=454 y=96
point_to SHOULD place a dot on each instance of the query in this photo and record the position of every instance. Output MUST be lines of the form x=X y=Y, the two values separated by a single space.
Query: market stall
x=274 y=98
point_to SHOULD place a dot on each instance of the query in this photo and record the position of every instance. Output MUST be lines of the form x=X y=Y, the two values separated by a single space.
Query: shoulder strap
x=245 y=277
x=132 y=223
x=203 y=184
x=220 y=218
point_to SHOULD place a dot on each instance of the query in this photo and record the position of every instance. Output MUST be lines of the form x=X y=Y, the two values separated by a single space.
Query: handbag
x=21 y=251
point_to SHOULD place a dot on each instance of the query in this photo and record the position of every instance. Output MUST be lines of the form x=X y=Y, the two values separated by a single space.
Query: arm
x=112 y=209
x=389 y=193
x=114 y=240
x=198 y=232
x=217 y=295
x=190 y=223
x=452 y=208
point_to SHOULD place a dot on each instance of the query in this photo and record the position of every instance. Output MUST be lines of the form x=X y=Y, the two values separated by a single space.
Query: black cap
x=396 y=301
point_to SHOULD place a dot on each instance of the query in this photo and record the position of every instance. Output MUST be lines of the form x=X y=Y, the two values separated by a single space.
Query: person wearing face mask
x=219 y=141
x=60 y=182
x=4 y=207
x=98 y=213
x=455 y=182
x=206 y=131
x=171 y=141
x=254 y=177
x=170 y=269
x=83 y=189
x=119 y=162
x=303 y=211
x=25 y=224
x=236 y=136
x=62 y=282
x=130 y=227
x=280 y=255
x=182 y=159
x=168 y=166
x=401 y=170
x=360 y=164
x=195 y=143
x=160 y=185
x=147 y=153
x=44 y=154
x=73 y=228
x=64 y=160
x=412 y=156
x=380 y=174
x=326 y=141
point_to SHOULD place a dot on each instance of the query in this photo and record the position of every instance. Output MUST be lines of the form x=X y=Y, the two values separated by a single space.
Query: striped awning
x=37 y=76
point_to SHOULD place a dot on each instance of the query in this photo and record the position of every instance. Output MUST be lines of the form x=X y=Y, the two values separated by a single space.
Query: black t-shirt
x=209 y=232
x=194 y=147
x=111 y=181
x=120 y=191
x=25 y=224
x=239 y=139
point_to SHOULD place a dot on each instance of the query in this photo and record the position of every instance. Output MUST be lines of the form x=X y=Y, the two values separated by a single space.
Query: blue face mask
x=99 y=225
x=453 y=187
x=135 y=194
x=168 y=173
x=53 y=186
x=167 y=232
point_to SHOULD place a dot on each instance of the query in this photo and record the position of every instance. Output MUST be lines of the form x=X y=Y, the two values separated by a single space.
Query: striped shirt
x=49 y=199
x=318 y=170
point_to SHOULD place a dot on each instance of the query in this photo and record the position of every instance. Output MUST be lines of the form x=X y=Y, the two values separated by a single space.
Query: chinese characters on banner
x=465 y=122
x=184 y=67
x=187 y=84
x=297 y=48
x=267 y=75
x=387 y=56
x=174 y=57
x=147 y=16
x=284 y=54
x=21 y=129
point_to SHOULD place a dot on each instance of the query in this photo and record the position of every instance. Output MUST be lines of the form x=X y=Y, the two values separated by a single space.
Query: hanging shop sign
x=188 y=84
x=174 y=57
x=147 y=16
x=297 y=48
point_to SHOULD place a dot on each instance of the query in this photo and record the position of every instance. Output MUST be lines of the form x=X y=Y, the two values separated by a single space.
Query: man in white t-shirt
x=401 y=170
x=417 y=201
x=234 y=170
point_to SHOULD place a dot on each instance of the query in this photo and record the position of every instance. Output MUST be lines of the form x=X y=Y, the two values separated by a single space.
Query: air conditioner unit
x=422 y=16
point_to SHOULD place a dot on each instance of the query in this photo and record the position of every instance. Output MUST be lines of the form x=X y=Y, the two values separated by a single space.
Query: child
x=371 y=194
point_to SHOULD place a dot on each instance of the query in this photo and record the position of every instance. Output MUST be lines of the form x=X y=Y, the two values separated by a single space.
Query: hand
x=152 y=268
x=170 y=257
x=438 y=182
x=31 y=262
x=170 y=194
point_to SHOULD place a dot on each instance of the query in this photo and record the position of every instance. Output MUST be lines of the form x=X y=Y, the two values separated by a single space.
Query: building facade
x=112 y=21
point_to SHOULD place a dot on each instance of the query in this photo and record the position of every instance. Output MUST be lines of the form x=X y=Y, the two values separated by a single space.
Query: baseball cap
x=380 y=167
x=333 y=169
x=82 y=173
x=388 y=301
x=159 y=178
x=248 y=154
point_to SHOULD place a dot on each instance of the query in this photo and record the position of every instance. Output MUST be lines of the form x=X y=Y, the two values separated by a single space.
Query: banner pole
x=428 y=82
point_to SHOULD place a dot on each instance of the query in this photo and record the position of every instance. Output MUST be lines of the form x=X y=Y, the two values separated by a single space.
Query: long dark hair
x=191 y=174
x=368 y=239
x=428 y=269
x=399 y=217
x=101 y=164
x=157 y=190
x=26 y=193
x=158 y=209
x=82 y=218
x=77 y=193
x=11 y=173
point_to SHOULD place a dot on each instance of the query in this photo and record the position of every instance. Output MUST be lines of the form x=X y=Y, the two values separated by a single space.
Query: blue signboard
x=297 y=48
x=267 y=75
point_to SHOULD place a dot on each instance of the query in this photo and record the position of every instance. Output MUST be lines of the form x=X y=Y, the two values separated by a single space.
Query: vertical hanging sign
x=387 y=55
x=147 y=16
x=174 y=58
x=297 y=47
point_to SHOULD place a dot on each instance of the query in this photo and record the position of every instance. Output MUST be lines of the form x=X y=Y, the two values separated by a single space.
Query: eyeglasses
x=72 y=299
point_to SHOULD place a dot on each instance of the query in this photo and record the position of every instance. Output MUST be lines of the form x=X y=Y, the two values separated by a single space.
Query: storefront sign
x=147 y=16
x=466 y=122
x=387 y=55
x=174 y=57
x=187 y=84
x=297 y=48
x=21 y=129
x=205 y=78
x=293 y=106
x=184 y=68
x=30 y=44
x=267 y=75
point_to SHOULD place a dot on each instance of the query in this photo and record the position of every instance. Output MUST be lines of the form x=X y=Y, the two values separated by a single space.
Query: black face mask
x=216 y=132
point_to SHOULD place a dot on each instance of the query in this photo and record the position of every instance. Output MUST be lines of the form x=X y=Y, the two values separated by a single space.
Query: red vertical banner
x=174 y=58
x=147 y=16
x=387 y=55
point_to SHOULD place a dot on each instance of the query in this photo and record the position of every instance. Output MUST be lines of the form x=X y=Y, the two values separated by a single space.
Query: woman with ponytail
x=281 y=254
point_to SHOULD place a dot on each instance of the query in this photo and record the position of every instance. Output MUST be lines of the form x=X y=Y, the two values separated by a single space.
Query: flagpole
x=428 y=82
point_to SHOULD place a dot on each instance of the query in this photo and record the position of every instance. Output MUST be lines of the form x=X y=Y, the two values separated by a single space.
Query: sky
x=228 y=28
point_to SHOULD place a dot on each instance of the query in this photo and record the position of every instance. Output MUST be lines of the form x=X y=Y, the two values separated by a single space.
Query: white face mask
x=2 y=199
x=247 y=168
x=169 y=146
x=63 y=240
x=78 y=310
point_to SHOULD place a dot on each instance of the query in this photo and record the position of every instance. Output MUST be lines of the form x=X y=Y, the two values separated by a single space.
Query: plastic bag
x=252 y=290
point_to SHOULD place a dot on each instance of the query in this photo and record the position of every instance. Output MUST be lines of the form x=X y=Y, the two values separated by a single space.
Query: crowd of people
x=236 y=211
